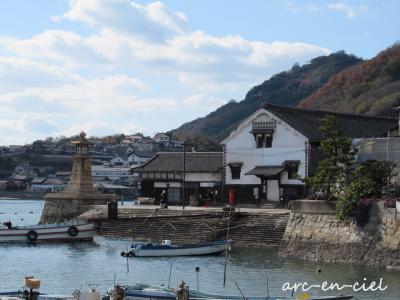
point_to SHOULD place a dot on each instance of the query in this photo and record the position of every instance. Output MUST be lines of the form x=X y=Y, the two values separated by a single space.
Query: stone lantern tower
x=80 y=194
x=81 y=176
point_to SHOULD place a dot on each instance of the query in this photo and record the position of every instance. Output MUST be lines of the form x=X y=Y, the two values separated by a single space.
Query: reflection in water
x=65 y=267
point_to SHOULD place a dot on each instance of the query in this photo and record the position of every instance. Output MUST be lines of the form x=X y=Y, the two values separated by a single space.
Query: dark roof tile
x=355 y=126
x=266 y=170
x=202 y=162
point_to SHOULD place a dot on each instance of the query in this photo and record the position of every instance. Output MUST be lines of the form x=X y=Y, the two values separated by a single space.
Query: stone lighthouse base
x=60 y=207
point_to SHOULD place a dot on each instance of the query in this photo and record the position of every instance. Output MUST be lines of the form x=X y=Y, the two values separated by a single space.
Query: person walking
x=164 y=199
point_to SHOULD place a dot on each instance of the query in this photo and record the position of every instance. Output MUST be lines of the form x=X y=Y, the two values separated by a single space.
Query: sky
x=122 y=66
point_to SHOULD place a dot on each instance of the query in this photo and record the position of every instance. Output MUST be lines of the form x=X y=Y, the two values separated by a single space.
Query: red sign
x=231 y=197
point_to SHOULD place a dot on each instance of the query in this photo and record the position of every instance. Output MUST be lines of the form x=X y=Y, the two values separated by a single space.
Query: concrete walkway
x=128 y=205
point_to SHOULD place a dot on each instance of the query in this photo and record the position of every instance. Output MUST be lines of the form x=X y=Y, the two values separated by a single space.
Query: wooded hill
x=286 y=88
x=371 y=87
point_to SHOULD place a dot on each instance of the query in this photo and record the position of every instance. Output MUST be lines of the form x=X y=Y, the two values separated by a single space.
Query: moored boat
x=141 y=292
x=167 y=249
x=64 y=232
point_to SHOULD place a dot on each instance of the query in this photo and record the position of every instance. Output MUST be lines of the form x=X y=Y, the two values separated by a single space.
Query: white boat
x=167 y=249
x=143 y=292
x=64 y=232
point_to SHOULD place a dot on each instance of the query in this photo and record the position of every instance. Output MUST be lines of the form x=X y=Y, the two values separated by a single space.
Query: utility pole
x=184 y=175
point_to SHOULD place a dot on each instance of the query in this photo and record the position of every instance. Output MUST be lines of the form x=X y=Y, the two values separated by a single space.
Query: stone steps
x=255 y=230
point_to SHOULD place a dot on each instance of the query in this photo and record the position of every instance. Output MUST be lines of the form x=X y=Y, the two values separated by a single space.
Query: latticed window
x=263 y=132
x=263 y=140
x=264 y=125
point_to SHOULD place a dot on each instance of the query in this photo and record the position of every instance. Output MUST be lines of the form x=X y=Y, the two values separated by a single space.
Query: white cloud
x=153 y=21
x=351 y=11
x=17 y=73
x=137 y=64
x=296 y=8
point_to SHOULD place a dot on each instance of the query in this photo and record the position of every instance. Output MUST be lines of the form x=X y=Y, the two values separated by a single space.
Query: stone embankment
x=62 y=210
x=248 y=229
x=322 y=237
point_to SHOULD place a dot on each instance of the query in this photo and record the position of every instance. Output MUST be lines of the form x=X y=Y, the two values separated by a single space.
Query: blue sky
x=111 y=66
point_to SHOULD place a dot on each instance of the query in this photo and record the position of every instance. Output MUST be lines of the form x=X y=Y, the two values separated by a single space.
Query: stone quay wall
x=321 y=237
x=192 y=226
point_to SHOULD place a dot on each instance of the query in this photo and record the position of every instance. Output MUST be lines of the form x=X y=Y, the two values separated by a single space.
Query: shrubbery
x=356 y=190
x=339 y=178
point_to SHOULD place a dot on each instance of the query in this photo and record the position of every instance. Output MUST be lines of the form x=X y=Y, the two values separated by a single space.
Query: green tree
x=367 y=181
x=378 y=172
x=334 y=170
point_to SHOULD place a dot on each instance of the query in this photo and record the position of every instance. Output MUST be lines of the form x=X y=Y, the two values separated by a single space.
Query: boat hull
x=48 y=233
x=156 y=293
x=189 y=250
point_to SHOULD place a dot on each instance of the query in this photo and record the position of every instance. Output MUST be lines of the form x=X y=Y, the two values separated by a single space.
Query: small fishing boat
x=167 y=249
x=140 y=292
x=30 y=291
x=64 y=232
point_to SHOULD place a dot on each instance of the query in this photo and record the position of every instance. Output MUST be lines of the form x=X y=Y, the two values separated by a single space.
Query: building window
x=292 y=167
x=236 y=169
x=264 y=140
x=263 y=132
x=293 y=171
x=268 y=140
x=260 y=141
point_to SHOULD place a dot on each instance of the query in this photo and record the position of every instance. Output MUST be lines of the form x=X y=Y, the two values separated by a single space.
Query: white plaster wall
x=287 y=144
x=203 y=177
x=272 y=190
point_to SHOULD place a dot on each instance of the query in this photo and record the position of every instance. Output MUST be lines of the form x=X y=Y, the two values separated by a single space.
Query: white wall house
x=137 y=158
x=270 y=153
x=118 y=162
x=161 y=138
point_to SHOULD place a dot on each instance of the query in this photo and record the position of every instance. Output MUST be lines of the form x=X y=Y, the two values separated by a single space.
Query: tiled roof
x=355 y=126
x=143 y=153
x=38 y=180
x=266 y=170
x=203 y=162
x=53 y=181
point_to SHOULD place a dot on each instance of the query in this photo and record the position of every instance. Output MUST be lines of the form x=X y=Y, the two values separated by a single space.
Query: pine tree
x=333 y=173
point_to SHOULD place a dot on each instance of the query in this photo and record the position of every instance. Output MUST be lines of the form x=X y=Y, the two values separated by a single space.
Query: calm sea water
x=66 y=267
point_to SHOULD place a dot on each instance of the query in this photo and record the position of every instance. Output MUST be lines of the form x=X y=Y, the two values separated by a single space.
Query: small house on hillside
x=161 y=138
x=270 y=152
x=202 y=172
x=139 y=157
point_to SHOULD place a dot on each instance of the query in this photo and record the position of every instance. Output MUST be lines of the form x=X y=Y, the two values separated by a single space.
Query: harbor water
x=66 y=267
